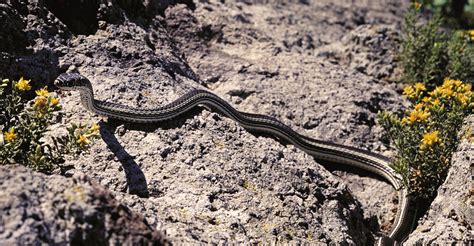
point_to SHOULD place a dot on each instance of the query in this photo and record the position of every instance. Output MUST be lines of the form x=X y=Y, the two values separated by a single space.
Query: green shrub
x=427 y=135
x=458 y=13
x=429 y=55
x=24 y=124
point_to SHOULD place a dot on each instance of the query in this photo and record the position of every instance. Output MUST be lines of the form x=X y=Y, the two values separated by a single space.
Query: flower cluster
x=419 y=114
x=452 y=93
x=427 y=135
x=429 y=139
x=451 y=89
x=24 y=123
x=83 y=135
x=44 y=103
x=414 y=91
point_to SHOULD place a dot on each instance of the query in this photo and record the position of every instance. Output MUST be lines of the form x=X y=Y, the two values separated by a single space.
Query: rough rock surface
x=450 y=217
x=40 y=209
x=321 y=68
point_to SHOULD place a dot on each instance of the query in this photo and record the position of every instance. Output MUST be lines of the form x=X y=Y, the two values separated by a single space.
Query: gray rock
x=450 y=217
x=40 y=209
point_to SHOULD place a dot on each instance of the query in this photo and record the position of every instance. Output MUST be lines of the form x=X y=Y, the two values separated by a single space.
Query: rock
x=36 y=208
x=371 y=49
x=12 y=39
x=450 y=216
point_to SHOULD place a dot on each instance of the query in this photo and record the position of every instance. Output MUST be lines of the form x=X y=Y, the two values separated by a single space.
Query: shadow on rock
x=136 y=180
x=42 y=67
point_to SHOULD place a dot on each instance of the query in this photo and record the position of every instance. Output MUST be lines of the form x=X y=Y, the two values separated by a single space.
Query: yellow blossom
x=10 y=136
x=436 y=92
x=462 y=99
x=418 y=116
x=466 y=87
x=447 y=92
x=40 y=102
x=429 y=139
x=417 y=5
x=447 y=82
x=409 y=91
x=471 y=34
x=419 y=87
x=54 y=101
x=426 y=99
x=95 y=128
x=23 y=85
x=83 y=141
x=436 y=102
x=42 y=92
x=404 y=121
x=419 y=106
x=457 y=83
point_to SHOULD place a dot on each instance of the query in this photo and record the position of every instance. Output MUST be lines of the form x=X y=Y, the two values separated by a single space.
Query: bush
x=429 y=55
x=24 y=124
x=458 y=13
x=427 y=135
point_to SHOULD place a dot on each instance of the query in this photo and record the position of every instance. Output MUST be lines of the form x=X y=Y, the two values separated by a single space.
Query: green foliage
x=427 y=135
x=24 y=124
x=429 y=55
x=458 y=13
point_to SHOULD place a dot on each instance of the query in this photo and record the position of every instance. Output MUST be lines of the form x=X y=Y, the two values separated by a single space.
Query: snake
x=257 y=123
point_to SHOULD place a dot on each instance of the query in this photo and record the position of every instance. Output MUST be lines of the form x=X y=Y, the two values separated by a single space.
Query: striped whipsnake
x=320 y=150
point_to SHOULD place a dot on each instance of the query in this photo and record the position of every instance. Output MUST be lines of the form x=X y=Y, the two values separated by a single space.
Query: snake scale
x=320 y=150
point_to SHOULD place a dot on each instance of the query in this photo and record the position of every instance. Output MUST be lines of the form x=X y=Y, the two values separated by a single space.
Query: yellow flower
x=429 y=139
x=471 y=33
x=405 y=121
x=83 y=141
x=23 y=85
x=419 y=106
x=54 y=101
x=436 y=102
x=426 y=99
x=10 y=136
x=447 y=82
x=457 y=83
x=42 y=92
x=419 y=87
x=40 y=102
x=466 y=87
x=436 y=92
x=95 y=128
x=447 y=92
x=418 y=116
x=417 y=5
x=462 y=99
x=409 y=91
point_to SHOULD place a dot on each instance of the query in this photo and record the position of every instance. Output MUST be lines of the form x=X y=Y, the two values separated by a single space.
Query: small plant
x=429 y=55
x=24 y=124
x=427 y=135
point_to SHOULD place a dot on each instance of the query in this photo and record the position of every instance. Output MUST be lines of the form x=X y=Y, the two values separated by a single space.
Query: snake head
x=71 y=81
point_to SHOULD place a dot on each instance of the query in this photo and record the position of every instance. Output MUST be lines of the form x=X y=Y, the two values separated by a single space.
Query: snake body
x=320 y=150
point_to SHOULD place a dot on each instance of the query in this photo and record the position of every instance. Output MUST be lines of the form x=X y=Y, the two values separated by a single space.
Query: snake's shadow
x=136 y=181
